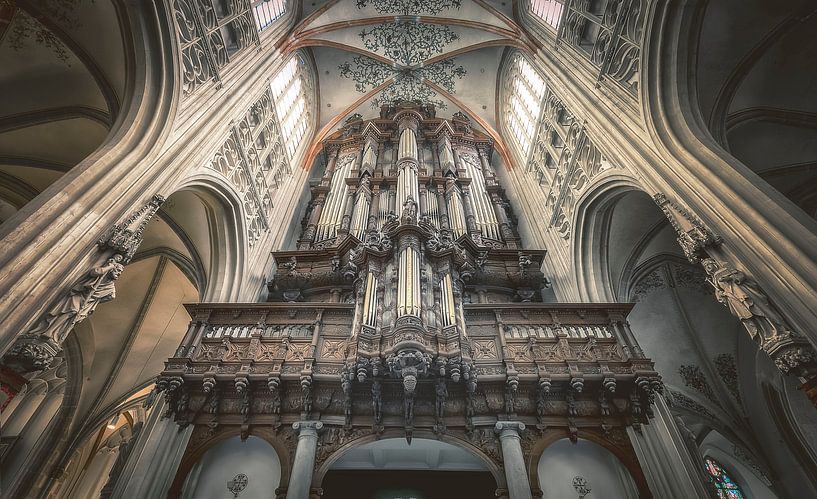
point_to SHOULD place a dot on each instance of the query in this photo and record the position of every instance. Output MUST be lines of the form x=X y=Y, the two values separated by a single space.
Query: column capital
x=307 y=427
x=509 y=428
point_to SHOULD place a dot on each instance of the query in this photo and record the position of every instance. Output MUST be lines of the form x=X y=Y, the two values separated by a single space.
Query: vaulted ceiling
x=371 y=52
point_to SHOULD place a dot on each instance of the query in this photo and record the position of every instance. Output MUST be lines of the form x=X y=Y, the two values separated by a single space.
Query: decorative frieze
x=695 y=379
x=727 y=369
x=408 y=84
x=406 y=42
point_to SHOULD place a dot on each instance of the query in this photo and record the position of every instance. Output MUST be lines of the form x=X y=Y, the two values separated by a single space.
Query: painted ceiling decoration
x=24 y=29
x=409 y=83
x=410 y=7
x=370 y=53
x=406 y=42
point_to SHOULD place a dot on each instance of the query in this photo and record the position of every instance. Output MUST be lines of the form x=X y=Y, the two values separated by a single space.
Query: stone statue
x=125 y=446
x=746 y=301
x=409 y=214
x=82 y=299
x=377 y=401
x=439 y=404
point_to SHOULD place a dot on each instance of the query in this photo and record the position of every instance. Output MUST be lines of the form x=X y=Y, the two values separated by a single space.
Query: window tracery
x=292 y=93
x=724 y=484
x=609 y=33
x=210 y=33
x=267 y=12
x=548 y=11
x=551 y=141
x=524 y=91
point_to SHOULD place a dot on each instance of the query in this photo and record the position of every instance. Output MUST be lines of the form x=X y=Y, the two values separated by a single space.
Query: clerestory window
x=523 y=102
x=267 y=12
x=291 y=91
x=549 y=11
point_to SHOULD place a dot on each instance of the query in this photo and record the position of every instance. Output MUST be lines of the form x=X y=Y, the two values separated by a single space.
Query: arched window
x=267 y=11
x=549 y=11
x=523 y=102
x=292 y=92
x=727 y=488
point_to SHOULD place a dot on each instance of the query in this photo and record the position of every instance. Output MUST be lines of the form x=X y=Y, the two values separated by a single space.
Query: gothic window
x=291 y=90
x=523 y=102
x=267 y=12
x=548 y=11
x=726 y=487
x=211 y=32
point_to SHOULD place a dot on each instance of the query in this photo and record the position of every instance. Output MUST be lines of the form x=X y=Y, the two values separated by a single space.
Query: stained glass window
x=727 y=488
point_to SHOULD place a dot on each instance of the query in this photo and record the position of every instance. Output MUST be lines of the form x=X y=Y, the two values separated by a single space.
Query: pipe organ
x=408 y=303
x=407 y=218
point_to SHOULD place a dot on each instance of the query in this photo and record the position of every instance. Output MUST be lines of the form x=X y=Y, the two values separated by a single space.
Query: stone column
x=300 y=479
x=516 y=473
x=156 y=455
x=671 y=471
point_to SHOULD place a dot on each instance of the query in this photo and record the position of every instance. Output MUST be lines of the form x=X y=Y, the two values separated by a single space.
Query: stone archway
x=392 y=466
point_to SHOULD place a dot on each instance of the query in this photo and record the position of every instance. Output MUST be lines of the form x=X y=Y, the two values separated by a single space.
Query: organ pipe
x=336 y=199
x=448 y=312
x=408 y=283
x=456 y=211
x=483 y=210
x=370 y=301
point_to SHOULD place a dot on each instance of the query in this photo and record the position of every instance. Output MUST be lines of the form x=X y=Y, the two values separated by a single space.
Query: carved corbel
x=274 y=385
x=694 y=237
x=791 y=352
x=36 y=349
x=306 y=394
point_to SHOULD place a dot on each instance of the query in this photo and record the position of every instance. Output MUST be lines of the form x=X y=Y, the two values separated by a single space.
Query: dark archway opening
x=405 y=484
